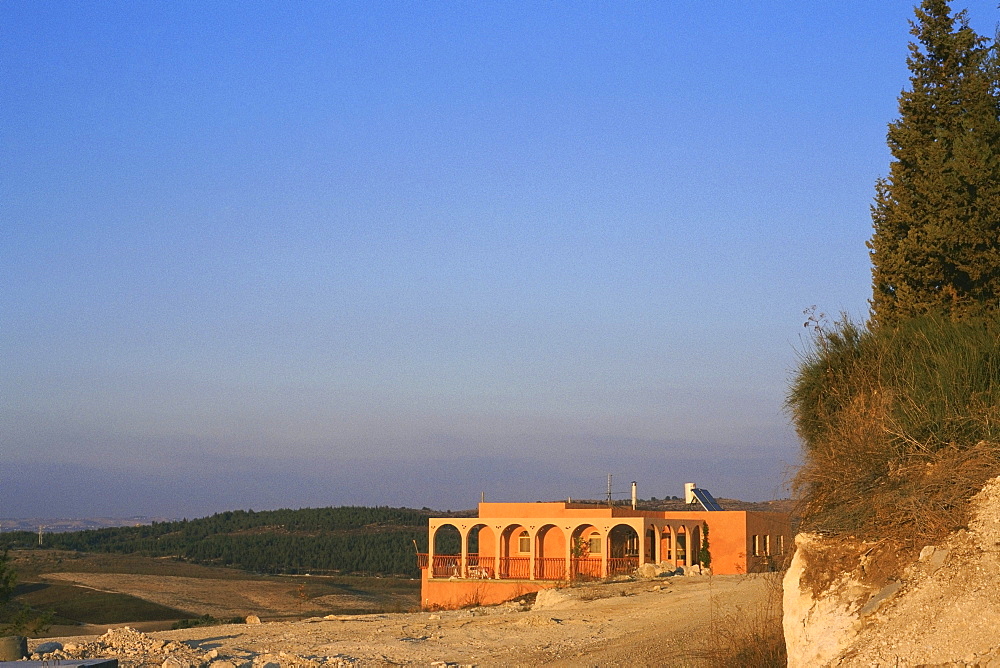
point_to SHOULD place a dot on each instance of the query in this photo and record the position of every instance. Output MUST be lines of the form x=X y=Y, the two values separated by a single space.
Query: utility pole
x=40 y=527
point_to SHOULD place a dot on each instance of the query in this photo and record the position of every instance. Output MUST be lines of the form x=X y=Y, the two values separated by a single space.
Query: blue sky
x=264 y=255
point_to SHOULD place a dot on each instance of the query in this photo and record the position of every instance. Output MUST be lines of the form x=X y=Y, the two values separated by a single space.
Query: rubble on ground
x=135 y=649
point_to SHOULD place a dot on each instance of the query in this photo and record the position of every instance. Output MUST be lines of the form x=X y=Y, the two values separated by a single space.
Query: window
x=524 y=543
x=781 y=544
x=594 y=545
x=767 y=545
x=756 y=545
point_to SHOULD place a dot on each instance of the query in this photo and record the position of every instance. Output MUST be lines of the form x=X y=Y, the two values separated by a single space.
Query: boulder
x=174 y=662
x=48 y=647
x=553 y=599
x=647 y=571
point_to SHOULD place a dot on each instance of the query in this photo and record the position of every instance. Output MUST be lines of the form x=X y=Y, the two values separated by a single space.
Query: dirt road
x=663 y=622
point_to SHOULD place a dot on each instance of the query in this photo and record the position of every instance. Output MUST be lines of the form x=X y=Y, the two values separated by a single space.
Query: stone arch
x=586 y=563
x=550 y=552
x=667 y=544
x=581 y=538
x=472 y=538
x=652 y=545
x=447 y=539
x=681 y=551
x=480 y=552
x=509 y=539
x=623 y=541
x=623 y=550
x=695 y=559
x=446 y=550
x=512 y=563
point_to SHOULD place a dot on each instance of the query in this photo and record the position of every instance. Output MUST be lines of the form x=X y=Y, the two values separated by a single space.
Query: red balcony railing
x=622 y=565
x=515 y=568
x=479 y=568
x=521 y=568
x=550 y=568
x=447 y=565
x=586 y=568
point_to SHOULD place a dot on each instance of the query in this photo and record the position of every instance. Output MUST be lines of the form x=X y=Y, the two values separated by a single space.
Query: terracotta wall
x=526 y=510
x=777 y=526
x=727 y=541
x=451 y=594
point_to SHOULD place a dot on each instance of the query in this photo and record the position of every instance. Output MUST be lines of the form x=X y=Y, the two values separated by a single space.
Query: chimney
x=634 y=498
x=689 y=488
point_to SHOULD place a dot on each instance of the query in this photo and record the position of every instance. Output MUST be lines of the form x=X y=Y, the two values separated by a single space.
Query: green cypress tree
x=936 y=217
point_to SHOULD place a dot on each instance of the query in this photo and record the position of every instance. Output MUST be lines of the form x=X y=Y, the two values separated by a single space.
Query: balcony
x=521 y=568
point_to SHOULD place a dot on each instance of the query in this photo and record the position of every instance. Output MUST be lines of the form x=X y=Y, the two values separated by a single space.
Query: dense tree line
x=348 y=539
x=936 y=243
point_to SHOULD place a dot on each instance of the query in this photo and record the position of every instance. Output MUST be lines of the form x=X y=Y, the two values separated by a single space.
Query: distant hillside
x=317 y=540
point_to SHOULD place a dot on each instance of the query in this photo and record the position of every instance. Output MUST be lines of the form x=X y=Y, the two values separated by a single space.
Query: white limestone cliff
x=943 y=610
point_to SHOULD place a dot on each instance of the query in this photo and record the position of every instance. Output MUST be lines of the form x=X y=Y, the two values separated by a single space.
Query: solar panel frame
x=706 y=499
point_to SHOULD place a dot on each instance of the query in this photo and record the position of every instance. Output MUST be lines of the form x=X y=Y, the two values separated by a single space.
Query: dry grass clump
x=749 y=636
x=900 y=428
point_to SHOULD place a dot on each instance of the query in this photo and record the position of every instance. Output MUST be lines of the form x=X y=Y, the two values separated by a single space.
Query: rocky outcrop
x=943 y=610
x=134 y=649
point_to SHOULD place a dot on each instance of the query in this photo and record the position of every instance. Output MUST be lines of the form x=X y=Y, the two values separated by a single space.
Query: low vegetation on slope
x=900 y=426
x=316 y=540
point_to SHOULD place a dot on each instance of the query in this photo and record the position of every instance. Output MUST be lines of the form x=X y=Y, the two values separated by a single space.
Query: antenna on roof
x=609 y=489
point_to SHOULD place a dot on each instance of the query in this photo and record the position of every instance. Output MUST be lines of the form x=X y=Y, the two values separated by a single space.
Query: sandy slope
x=664 y=622
x=200 y=596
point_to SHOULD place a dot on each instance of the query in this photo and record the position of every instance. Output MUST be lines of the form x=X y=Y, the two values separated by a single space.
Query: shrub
x=205 y=620
x=900 y=426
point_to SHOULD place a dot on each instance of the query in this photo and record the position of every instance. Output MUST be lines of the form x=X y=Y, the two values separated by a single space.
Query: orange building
x=512 y=549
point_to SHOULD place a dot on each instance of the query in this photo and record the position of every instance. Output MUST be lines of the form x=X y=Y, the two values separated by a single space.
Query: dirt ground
x=661 y=622
x=220 y=598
